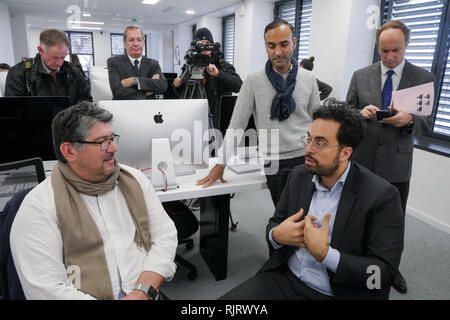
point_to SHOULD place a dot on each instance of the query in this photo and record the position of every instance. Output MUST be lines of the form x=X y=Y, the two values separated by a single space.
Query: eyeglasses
x=316 y=145
x=105 y=143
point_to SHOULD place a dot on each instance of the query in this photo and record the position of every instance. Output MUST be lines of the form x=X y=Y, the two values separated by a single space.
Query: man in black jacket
x=337 y=231
x=220 y=77
x=48 y=74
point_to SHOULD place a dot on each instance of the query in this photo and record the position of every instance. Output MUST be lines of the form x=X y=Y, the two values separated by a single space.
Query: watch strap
x=151 y=292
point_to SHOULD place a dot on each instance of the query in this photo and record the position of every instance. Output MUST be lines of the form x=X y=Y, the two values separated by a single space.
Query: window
x=428 y=47
x=117 y=47
x=300 y=20
x=82 y=44
x=228 y=38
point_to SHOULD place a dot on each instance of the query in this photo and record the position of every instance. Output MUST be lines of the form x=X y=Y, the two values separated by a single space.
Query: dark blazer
x=386 y=149
x=120 y=67
x=368 y=230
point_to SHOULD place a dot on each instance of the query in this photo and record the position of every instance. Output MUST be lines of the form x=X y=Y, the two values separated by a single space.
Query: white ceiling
x=116 y=14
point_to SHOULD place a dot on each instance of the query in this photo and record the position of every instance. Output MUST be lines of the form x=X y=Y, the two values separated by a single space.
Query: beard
x=322 y=170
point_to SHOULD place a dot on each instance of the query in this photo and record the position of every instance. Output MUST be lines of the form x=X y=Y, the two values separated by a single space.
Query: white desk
x=214 y=209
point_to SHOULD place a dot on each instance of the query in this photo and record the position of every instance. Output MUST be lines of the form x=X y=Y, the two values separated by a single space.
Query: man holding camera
x=388 y=146
x=220 y=77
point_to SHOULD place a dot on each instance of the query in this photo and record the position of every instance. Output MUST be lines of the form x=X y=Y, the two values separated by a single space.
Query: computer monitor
x=25 y=127
x=226 y=111
x=183 y=122
x=170 y=94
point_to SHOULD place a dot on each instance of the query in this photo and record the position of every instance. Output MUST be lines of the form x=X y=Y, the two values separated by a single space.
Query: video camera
x=194 y=56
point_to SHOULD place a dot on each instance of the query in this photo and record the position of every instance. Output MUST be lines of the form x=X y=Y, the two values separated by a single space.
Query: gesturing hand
x=290 y=232
x=316 y=238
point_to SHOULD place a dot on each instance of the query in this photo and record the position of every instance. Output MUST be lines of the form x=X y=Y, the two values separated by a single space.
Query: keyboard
x=246 y=167
x=8 y=190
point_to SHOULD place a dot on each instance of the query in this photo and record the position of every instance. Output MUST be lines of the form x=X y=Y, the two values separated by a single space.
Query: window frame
x=440 y=57
x=298 y=20
x=224 y=32
x=69 y=32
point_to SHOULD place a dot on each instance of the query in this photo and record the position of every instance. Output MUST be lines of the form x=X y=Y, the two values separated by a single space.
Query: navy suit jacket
x=120 y=67
x=368 y=230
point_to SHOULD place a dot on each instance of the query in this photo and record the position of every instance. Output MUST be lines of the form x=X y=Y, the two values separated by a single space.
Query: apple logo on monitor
x=158 y=118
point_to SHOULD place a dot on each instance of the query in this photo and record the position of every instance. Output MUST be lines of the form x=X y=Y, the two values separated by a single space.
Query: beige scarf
x=82 y=241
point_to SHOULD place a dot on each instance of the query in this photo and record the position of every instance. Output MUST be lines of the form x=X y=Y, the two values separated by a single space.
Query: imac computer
x=183 y=122
x=25 y=127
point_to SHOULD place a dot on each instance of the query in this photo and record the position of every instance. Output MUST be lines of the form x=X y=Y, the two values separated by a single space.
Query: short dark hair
x=352 y=126
x=74 y=123
x=394 y=24
x=307 y=64
x=4 y=66
x=277 y=23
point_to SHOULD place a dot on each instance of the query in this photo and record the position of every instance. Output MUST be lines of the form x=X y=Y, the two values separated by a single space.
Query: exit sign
x=134 y=19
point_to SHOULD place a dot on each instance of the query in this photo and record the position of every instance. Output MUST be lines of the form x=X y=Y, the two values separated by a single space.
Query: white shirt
x=139 y=66
x=396 y=76
x=37 y=247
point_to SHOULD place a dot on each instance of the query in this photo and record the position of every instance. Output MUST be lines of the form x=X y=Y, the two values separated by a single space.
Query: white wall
x=429 y=194
x=249 y=49
x=340 y=41
x=6 y=48
x=182 y=39
x=213 y=24
x=102 y=47
x=20 y=37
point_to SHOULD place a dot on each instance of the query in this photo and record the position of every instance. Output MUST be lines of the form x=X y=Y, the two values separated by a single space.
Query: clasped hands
x=304 y=234
x=400 y=119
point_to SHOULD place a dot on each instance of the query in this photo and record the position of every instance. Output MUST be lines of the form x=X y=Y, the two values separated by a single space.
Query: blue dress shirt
x=302 y=264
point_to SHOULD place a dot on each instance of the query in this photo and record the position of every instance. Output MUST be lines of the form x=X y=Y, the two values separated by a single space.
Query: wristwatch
x=135 y=81
x=151 y=292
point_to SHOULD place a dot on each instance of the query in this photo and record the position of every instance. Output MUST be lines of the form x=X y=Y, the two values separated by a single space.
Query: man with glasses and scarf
x=337 y=231
x=281 y=98
x=94 y=229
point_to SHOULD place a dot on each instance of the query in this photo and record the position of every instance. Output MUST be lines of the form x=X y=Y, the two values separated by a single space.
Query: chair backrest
x=36 y=162
x=184 y=219
x=3 y=81
x=11 y=288
x=100 y=88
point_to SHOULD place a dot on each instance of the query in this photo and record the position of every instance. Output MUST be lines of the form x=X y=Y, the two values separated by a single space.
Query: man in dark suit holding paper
x=387 y=148
x=133 y=76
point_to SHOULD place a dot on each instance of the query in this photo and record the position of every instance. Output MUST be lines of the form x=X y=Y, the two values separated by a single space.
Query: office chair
x=10 y=285
x=36 y=162
x=11 y=289
x=187 y=225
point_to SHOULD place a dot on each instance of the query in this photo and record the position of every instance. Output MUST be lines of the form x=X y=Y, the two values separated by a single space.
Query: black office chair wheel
x=192 y=275
x=189 y=245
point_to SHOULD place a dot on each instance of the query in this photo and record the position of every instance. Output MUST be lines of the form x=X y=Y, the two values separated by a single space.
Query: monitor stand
x=163 y=172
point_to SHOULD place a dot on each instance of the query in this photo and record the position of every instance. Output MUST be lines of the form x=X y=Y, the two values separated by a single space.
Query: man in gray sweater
x=281 y=98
